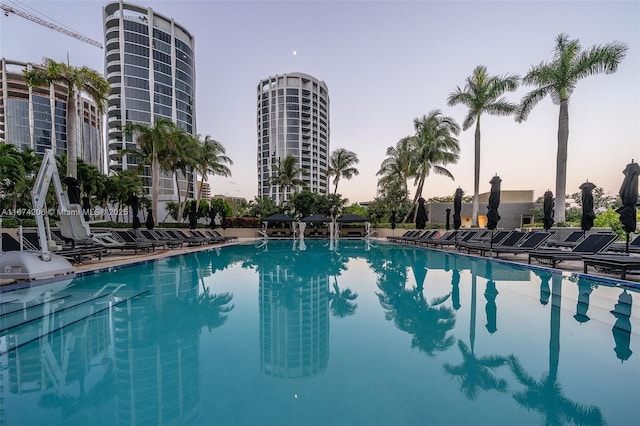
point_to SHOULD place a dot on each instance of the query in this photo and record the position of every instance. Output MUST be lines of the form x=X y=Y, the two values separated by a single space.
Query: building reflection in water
x=130 y=346
x=294 y=314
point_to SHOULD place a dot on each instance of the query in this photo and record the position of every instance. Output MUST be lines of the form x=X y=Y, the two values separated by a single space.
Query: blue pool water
x=353 y=333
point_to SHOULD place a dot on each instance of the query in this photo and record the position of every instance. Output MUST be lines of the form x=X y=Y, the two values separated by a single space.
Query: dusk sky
x=385 y=64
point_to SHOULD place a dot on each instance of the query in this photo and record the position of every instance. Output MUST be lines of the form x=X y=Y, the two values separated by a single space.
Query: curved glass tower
x=293 y=119
x=150 y=65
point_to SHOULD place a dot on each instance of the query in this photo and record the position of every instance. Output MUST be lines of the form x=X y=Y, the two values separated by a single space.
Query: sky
x=386 y=63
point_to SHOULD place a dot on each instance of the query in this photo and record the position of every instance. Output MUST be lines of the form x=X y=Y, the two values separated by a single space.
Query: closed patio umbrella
x=547 y=209
x=149 y=223
x=135 y=206
x=393 y=219
x=212 y=216
x=447 y=223
x=629 y=196
x=494 y=202
x=193 y=215
x=421 y=214
x=457 y=208
x=586 y=221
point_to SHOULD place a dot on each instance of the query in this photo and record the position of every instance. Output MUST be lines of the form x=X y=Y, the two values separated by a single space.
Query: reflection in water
x=130 y=349
x=546 y=395
x=622 y=328
x=131 y=345
x=295 y=300
x=584 y=291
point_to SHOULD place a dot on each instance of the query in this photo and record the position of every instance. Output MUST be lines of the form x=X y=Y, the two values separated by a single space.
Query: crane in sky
x=8 y=9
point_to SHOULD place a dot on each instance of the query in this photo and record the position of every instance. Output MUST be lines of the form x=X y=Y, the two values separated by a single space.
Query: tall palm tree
x=213 y=160
x=77 y=80
x=341 y=165
x=396 y=167
x=287 y=174
x=558 y=78
x=434 y=146
x=482 y=93
x=152 y=142
x=181 y=159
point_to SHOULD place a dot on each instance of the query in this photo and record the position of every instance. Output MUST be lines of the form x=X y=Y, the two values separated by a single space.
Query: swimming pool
x=321 y=333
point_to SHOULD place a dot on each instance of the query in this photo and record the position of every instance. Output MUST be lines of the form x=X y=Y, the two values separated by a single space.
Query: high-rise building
x=150 y=65
x=293 y=120
x=35 y=117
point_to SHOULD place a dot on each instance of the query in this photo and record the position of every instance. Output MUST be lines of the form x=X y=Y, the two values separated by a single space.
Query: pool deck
x=116 y=259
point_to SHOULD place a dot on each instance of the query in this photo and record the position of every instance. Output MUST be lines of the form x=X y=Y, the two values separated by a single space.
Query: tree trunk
x=476 y=177
x=155 y=182
x=180 y=206
x=561 y=161
x=72 y=147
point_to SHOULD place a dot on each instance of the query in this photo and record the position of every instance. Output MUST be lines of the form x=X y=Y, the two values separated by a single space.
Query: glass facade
x=293 y=120
x=150 y=69
x=36 y=117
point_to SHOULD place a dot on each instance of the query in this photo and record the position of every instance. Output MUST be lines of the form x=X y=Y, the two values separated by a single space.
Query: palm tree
x=482 y=93
x=433 y=147
x=396 y=167
x=213 y=159
x=558 y=78
x=181 y=159
x=287 y=174
x=152 y=142
x=77 y=80
x=12 y=173
x=341 y=165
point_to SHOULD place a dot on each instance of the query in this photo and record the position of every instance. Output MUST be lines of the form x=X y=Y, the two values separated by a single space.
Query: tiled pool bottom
x=353 y=333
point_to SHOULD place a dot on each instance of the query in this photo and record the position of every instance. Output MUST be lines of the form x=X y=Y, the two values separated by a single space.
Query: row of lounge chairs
x=102 y=242
x=597 y=249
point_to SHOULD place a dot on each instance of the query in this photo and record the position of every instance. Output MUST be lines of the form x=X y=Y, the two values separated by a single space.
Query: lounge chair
x=479 y=243
x=462 y=236
x=610 y=263
x=215 y=233
x=422 y=235
x=634 y=246
x=208 y=238
x=410 y=233
x=436 y=238
x=571 y=240
x=531 y=242
x=190 y=241
x=592 y=244
x=131 y=242
x=73 y=254
x=160 y=239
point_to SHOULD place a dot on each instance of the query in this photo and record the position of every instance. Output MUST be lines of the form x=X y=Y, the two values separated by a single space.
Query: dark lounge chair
x=610 y=263
x=571 y=240
x=31 y=241
x=531 y=242
x=132 y=243
x=160 y=239
x=446 y=236
x=634 y=246
x=479 y=243
x=190 y=241
x=592 y=244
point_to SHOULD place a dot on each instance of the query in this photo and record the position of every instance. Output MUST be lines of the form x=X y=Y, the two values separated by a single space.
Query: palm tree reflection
x=475 y=373
x=546 y=395
x=342 y=301
x=428 y=322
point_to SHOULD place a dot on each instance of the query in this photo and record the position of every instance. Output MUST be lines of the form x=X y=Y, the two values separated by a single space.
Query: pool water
x=321 y=333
